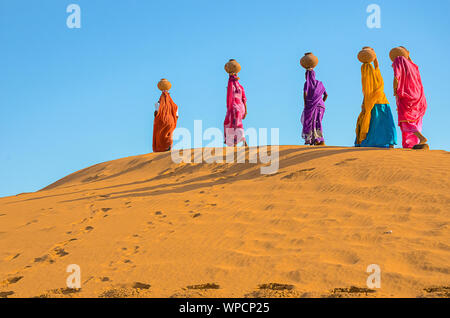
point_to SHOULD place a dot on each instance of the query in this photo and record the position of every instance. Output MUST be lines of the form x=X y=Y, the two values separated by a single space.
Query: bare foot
x=391 y=146
x=421 y=137
x=322 y=143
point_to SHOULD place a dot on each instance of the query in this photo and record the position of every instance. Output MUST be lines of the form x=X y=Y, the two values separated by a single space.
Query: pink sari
x=233 y=127
x=411 y=101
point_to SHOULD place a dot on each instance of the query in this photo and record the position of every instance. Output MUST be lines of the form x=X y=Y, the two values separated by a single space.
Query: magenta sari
x=233 y=127
x=411 y=101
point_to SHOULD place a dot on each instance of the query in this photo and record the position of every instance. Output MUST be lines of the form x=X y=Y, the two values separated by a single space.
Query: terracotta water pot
x=367 y=55
x=164 y=85
x=398 y=51
x=232 y=67
x=309 y=61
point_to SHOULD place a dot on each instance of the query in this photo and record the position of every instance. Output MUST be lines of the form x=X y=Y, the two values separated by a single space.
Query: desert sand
x=144 y=226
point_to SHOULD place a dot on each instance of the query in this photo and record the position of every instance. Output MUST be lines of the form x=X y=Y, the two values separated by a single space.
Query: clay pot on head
x=367 y=55
x=398 y=51
x=232 y=67
x=164 y=85
x=309 y=61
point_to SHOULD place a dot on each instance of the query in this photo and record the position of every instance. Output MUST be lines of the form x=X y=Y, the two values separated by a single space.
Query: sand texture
x=144 y=226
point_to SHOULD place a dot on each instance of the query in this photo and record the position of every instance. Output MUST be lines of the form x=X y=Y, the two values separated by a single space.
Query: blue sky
x=71 y=98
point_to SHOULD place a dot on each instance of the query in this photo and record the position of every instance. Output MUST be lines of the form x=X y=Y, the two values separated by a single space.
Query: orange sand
x=225 y=230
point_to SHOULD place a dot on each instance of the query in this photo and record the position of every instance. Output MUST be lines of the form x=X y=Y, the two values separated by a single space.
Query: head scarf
x=233 y=85
x=411 y=101
x=314 y=90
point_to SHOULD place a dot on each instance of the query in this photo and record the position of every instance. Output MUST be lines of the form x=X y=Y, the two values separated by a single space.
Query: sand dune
x=146 y=227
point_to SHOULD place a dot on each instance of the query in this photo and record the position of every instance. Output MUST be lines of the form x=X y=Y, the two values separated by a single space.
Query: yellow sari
x=373 y=90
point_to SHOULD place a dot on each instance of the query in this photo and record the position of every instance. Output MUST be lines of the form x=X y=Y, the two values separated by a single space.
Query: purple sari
x=314 y=109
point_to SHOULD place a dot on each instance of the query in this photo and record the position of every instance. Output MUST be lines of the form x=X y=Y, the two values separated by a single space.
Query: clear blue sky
x=70 y=98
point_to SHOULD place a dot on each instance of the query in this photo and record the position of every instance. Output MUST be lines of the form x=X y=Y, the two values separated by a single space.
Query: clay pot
x=232 y=67
x=164 y=85
x=367 y=55
x=398 y=51
x=309 y=61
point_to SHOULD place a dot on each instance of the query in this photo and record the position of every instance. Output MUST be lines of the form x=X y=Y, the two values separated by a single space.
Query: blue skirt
x=382 y=132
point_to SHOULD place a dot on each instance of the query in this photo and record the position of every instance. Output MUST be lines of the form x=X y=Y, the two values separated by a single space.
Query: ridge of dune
x=144 y=226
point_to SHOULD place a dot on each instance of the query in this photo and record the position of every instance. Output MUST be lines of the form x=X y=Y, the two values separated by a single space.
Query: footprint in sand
x=160 y=214
x=204 y=286
x=138 y=285
x=13 y=280
x=441 y=292
x=350 y=292
x=61 y=291
x=6 y=294
x=345 y=161
x=194 y=293
x=124 y=292
x=293 y=175
x=41 y=259
x=57 y=250
x=12 y=257
x=276 y=286
x=60 y=252
x=274 y=290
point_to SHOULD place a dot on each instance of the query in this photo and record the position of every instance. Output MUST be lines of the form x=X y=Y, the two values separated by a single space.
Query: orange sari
x=164 y=124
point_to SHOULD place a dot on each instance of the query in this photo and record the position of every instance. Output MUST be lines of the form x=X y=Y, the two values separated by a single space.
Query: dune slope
x=146 y=227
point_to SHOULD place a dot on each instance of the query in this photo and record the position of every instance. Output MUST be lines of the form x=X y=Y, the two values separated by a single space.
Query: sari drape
x=314 y=109
x=164 y=124
x=233 y=126
x=411 y=101
x=373 y=90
